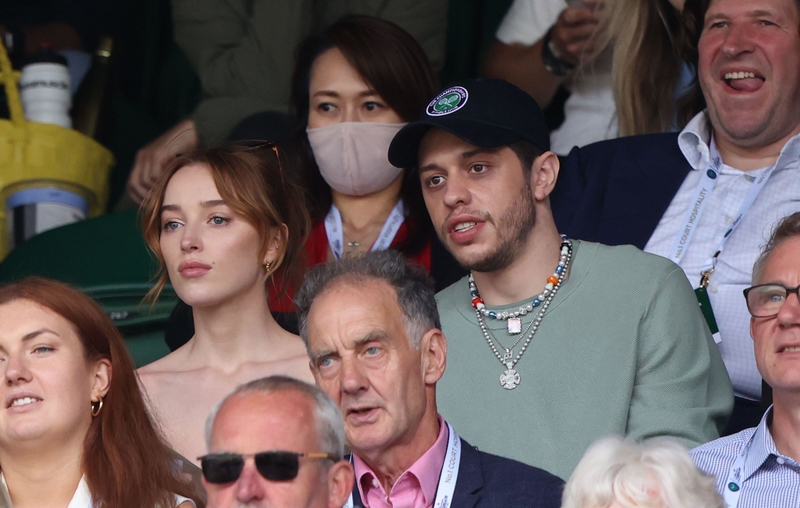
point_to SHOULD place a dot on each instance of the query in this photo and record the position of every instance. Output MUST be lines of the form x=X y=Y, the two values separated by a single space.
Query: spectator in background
x=74 y=429
x=758 y=467
x=708 y=197
x=353 y=88
x=276 y=442
x=573 y=339
x=221 y=222
x=379 y=356
x=619 y=59
x=242 y=51
x=621 y=474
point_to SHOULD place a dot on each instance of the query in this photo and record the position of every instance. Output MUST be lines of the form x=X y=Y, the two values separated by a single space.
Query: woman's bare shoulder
x=296 y=366
x=173 y=362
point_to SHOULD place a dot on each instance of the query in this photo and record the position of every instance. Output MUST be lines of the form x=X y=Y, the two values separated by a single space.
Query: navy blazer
x=615 y=192
x=486 y=480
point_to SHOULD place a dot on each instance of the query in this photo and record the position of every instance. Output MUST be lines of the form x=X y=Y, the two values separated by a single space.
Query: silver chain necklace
x=510 y=378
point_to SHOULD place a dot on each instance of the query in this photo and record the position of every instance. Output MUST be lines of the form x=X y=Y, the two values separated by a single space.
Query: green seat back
x=107 y=259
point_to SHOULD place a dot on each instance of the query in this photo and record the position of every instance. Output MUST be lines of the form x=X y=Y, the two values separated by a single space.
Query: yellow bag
x=38 y=155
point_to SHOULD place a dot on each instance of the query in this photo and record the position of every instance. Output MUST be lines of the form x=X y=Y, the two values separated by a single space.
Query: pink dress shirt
x=415 y=488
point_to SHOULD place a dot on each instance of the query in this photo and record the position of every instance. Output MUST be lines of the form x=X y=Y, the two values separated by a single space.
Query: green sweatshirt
x=623 y=349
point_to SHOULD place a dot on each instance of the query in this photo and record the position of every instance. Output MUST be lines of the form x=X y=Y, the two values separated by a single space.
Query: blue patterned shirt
x=770 y=479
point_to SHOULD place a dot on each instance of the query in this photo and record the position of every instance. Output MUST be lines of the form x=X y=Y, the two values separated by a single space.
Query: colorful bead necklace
x=513 y=318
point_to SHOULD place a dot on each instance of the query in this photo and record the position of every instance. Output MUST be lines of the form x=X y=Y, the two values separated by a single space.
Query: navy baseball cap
x=484 y=112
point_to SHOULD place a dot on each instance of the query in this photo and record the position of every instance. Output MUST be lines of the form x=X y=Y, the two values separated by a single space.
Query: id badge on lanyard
x=705 y=306
x=690 y=223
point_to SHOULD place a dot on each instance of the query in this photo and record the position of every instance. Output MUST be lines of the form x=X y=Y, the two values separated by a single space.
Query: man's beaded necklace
x=510 y=378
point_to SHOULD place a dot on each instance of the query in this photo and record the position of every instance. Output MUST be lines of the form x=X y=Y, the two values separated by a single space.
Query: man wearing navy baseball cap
x=554 y=342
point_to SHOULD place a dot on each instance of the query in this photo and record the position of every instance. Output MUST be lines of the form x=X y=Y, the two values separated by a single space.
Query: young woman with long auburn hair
x=74 y=429
x=221 y=222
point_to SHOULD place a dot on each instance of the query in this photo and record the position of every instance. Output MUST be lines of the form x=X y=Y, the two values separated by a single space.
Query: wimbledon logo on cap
x=449 y=101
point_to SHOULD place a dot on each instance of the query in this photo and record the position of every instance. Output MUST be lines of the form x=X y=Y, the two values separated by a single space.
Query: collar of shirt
x=81 y=499
x=763 y=448
x=423 y=474
x=695 y=139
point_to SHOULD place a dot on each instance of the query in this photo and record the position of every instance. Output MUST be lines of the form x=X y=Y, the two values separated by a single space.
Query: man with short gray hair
x=372 y=330
x=759 y=466
x=276 y=442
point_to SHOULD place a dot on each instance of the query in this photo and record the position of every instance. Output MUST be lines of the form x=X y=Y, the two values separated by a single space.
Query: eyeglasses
x=275 y=466
x=766 y=300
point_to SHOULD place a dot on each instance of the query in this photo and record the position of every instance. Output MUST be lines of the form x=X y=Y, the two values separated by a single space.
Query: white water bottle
x=44 y=88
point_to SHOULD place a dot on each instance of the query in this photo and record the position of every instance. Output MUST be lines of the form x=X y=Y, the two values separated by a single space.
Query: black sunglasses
x=275 y=466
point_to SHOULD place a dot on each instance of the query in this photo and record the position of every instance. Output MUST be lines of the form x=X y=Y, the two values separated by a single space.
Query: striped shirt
x=770 y=479
x=779 y=197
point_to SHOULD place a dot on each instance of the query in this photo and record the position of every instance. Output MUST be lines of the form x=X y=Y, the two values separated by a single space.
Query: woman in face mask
x=354 y=87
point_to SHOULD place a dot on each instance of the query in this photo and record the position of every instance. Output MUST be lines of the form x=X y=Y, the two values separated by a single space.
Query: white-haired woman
x=615 y=473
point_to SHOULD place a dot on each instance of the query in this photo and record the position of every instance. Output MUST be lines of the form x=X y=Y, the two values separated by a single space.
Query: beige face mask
x=353 y=156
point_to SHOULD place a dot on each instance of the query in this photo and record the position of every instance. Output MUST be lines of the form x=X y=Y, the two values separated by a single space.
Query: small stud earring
x=267 y=265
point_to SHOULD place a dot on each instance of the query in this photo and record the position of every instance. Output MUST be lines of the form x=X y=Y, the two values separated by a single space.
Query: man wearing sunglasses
x=276 y=442
x=375 y=346
x=758 y=467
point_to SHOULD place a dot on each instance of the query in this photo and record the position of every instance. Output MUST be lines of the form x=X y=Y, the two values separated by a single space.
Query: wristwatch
x=551 y=59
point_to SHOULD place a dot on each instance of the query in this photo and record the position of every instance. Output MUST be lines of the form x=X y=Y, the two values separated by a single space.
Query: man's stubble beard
x=513 y=229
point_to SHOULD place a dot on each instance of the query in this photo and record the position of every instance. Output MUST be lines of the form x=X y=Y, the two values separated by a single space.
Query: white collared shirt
x=779 y=197
x=82 y=497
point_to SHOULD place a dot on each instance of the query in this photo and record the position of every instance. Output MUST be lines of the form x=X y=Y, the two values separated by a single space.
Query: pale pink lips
x=191 y=269
x=361 y=415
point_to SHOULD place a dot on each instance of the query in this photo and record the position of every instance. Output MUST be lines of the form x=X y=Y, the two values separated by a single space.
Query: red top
x=316 y=248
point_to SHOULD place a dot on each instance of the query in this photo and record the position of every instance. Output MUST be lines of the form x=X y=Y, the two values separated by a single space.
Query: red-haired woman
x=221 y=222
x=74 y=429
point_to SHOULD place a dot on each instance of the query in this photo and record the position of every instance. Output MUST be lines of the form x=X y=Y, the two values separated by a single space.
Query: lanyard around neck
x=699 y=201
x=733 y=485
x=335 y=232
x=448 y=476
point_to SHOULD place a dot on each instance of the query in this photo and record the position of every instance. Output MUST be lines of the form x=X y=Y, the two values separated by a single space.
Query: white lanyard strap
x=733 y=485
x=701 y=196
x=335 y=233
x=448 y=476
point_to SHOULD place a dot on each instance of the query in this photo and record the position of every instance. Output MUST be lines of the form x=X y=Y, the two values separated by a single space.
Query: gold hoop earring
x=97 y=406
